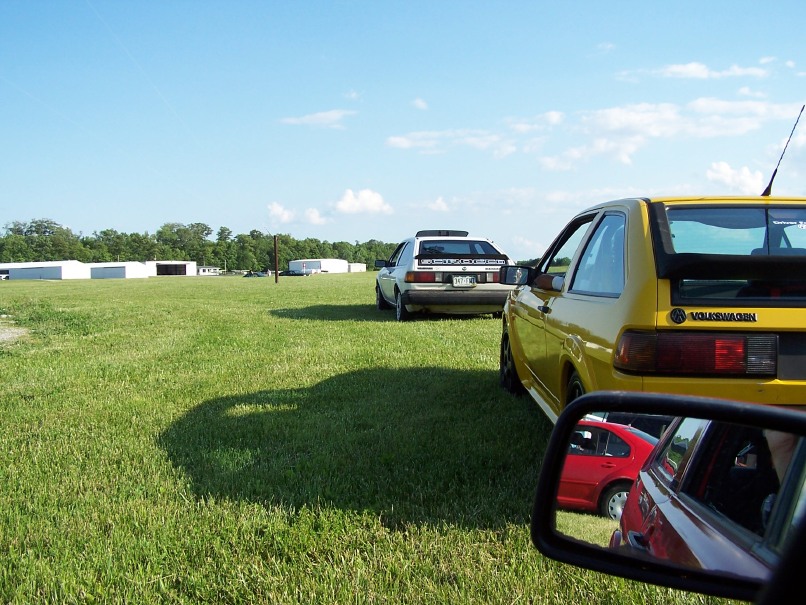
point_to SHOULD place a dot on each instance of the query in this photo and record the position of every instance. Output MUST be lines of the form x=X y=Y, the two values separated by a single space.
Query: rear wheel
x=380 y=301
x=575 y=388
x=507 y=375
x=613 y=498
x=401 y=313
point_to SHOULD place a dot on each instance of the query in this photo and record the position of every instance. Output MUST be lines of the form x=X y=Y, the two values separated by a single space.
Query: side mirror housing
x=516 y=275
x=553 y=534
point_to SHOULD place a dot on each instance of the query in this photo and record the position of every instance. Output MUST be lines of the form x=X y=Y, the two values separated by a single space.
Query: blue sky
x=358 y=120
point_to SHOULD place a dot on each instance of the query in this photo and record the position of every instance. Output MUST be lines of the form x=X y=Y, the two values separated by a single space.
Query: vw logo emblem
x=678 y=315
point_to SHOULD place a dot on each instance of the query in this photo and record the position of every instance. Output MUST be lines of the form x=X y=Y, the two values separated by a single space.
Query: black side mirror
x=735 y=517
x=516 y=275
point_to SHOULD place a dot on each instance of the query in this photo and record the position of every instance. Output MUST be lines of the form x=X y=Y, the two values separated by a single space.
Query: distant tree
x=224 y=249
x=169 y=241
x=45 y=239
x=371 y=250
x=14 y=249
x=142 y=247
x=48 y=240
x=263 y=249
x=245 y=259
x=344 y=250
x=116 y=245
x=224 y=235
x=16 y=228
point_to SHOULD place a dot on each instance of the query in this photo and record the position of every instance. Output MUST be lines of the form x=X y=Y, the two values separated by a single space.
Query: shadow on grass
x=402 y=445
x=363 y=313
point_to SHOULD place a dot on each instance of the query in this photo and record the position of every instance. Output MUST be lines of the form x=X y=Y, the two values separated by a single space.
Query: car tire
x=380 y=301
x=507 y=374
x=401 y=313
x=612 y=501
x=575 y=388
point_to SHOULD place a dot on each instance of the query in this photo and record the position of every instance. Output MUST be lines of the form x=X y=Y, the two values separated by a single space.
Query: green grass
x=226 y=440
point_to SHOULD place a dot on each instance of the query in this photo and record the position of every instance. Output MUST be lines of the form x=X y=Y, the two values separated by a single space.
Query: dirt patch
x=9 y=333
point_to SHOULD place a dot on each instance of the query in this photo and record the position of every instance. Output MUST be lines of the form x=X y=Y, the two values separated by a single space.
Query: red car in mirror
x=602 y=463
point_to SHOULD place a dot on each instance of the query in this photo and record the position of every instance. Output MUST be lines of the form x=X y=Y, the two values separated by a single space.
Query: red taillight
x=420 y=277
x=494 y=277
x=697 y=353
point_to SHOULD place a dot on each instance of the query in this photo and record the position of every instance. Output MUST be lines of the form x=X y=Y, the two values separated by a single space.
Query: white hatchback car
x=442 y=271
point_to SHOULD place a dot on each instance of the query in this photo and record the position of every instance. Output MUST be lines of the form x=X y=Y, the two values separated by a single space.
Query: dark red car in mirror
x=709 y=497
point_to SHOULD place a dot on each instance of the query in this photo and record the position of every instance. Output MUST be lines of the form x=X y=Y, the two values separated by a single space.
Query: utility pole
x=276 y=262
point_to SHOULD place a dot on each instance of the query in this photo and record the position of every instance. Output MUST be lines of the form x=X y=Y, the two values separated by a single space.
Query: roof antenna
x=768 y=190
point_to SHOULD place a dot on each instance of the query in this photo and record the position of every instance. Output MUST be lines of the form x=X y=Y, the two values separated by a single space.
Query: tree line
x=46 y=240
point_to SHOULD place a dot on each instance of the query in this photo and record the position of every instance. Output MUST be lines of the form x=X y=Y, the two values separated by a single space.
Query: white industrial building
x=120 y=270
x=208 y=270
x=66 y=269
x=325 y=265
x=73 y=269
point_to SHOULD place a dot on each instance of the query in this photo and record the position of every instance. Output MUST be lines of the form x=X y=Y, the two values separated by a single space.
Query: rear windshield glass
x=440 y=247
x=752 y=232
x=725 y=230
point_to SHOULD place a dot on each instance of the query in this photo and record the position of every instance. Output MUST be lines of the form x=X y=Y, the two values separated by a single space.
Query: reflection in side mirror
x=698 y=502
x=516 y=275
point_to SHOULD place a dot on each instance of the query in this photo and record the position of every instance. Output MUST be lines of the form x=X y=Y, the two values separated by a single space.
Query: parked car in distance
x=442 y=271
x=295 y=273
x=717 y=508
x=255 y=274
x=696 y=295
x=602 y=463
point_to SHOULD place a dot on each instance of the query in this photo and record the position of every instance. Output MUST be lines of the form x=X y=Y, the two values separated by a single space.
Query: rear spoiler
x=441 y=233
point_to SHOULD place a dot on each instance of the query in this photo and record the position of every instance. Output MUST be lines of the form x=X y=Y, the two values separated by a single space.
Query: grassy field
x=229 y=440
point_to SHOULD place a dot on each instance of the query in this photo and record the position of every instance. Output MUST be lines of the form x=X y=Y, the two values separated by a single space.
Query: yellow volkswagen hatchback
x=702 y=296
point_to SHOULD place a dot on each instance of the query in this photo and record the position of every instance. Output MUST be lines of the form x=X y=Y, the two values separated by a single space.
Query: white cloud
x=622 y=149
x=701 y=71
x=742 y=180
x=420 y=104
x=538 y=123
x=280 y=214
x=439 y=141
x=534 y=248
x=615 y=132
x=746 y=91
x=415 y=140
x=323 y=119
x=642 y=119
x=620 y=132
x=366 y=201
x=439 y=205
x=314 y=217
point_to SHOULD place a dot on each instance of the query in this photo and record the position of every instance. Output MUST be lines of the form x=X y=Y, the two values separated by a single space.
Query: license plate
x=464 y=281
